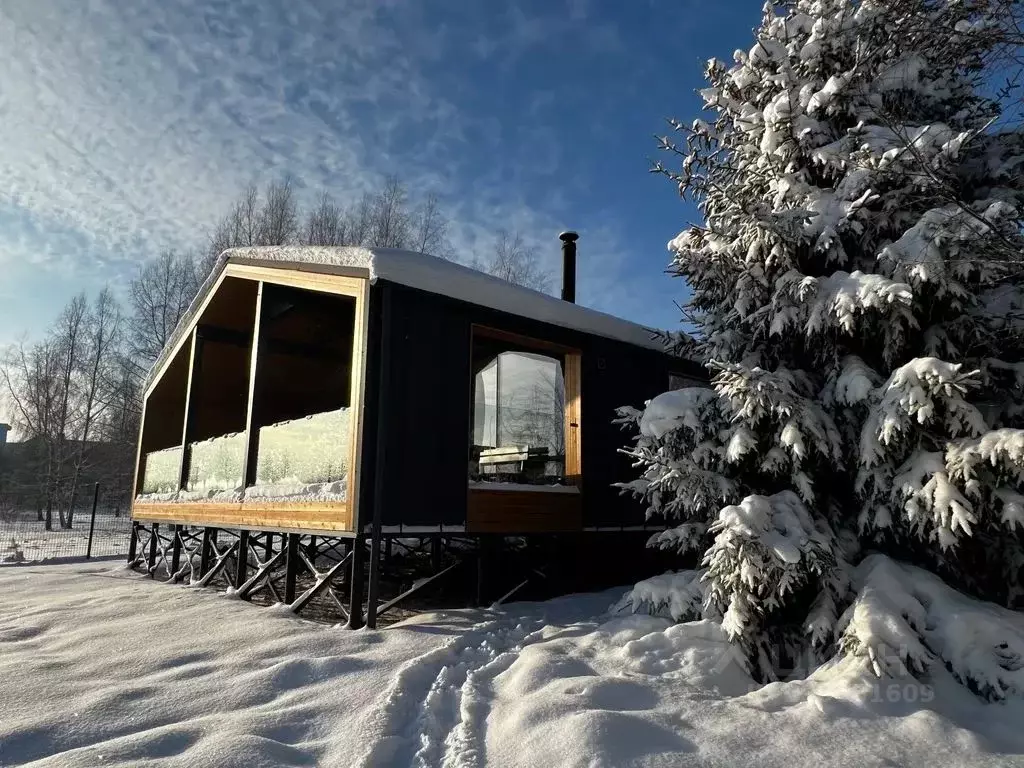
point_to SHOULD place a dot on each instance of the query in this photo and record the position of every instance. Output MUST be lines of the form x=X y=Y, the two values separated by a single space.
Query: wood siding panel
x=334 y=516
x=515 y=512
x=574 y=419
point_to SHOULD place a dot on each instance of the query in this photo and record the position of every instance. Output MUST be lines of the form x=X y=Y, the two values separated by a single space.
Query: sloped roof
x=427 y=273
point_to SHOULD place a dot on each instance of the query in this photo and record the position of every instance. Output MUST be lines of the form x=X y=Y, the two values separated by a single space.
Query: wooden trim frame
x=140 y=460
x=249 y=462
x=361 y=273
x=517 y=511
x=574 y=419
x=295 y=516
x=185 y=337
x=310 y=281
x=184 y=465
x=299 y=516
x=541 y=345
x=513 y=510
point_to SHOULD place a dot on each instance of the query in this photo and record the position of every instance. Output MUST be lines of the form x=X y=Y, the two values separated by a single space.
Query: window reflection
x=518 y=416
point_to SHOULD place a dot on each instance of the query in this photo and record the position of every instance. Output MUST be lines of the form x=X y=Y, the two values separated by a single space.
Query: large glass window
x=300 y=419
x=519 y=421
x=160 y=465
x=302 y=396
x=220 y=393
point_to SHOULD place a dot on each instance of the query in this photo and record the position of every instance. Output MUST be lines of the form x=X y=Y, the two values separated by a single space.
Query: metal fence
x=98 y=528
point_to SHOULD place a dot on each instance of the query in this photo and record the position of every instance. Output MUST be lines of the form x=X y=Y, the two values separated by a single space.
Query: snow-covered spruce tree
x=857 y=291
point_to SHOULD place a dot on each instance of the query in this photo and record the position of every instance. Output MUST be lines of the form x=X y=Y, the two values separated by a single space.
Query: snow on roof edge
x=428 y=273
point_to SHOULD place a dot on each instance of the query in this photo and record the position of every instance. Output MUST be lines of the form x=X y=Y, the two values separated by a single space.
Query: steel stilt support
x=486 y=547
x=175 y=550
x=435 y=554
x=133 y=544
x=153 y=541
x=218 y=565
x=355 y=600
x=209 y=537
x=291 y=566
x=371 y=593
x=263 y=573
x=242 y=565
x=322 y=582
x=419 y=587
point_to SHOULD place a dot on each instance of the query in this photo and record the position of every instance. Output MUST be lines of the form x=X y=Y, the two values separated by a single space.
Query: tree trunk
x=70 y=519
x=49 y=514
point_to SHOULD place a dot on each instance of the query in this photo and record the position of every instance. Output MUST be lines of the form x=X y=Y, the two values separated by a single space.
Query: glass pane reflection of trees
x=518 y=419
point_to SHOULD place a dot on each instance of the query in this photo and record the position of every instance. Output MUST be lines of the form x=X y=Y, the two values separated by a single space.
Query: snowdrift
x=101 y=666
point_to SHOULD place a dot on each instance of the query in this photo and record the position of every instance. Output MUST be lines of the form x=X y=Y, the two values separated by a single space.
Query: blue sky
x=128 y=127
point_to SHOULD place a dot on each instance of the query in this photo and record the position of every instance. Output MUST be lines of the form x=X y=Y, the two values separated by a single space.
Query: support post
x=92 y=519
x=486 y=547
x=218 y=565
x=323 y=581
x=371 y=593
x=175 y=550
x=244 y=590
x=435 y=554
x=291 y=567
x=251 y=432
x=242 y=566
x=355 y=600
x=209 y=539
x=191 y=394
x=151 y=560
x=383 y=368
x=478 y=595
x=133 y=543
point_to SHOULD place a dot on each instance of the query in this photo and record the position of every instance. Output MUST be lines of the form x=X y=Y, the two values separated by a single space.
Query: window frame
x=572 y=360
x=277 y=515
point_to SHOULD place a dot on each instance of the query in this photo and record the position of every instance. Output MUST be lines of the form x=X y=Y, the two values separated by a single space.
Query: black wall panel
x=428 y=396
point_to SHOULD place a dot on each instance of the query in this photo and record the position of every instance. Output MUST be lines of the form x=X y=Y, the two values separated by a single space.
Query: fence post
x=92 y=519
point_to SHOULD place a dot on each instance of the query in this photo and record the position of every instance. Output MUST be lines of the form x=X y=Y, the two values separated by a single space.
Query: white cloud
x=128 y=127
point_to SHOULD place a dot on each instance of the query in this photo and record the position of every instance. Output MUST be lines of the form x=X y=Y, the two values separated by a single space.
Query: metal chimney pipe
x=569 y=265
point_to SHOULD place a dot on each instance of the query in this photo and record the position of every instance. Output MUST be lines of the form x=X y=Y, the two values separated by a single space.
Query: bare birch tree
x=278 y=219
x=325 y=224
x=430 y=229
x=98 y=345
x=359 y=221
x=391 y=226
x=159 y=295
x=30 y=379
x=516 y=262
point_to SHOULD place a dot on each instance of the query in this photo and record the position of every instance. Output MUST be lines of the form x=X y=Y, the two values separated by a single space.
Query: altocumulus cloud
x=129 y=127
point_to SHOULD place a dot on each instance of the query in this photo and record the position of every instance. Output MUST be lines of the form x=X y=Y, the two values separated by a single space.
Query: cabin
x=327 y=401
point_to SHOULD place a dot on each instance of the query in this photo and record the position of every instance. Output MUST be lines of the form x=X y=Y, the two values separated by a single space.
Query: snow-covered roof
x=428 y=273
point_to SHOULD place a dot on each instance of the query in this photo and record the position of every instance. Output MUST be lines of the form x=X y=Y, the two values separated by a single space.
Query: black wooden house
x=317 y=404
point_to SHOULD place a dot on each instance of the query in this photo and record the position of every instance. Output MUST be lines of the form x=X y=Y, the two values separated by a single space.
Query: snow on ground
x=99 y=666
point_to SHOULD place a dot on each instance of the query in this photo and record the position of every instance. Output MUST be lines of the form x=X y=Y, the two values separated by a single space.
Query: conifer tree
x=857 y=289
